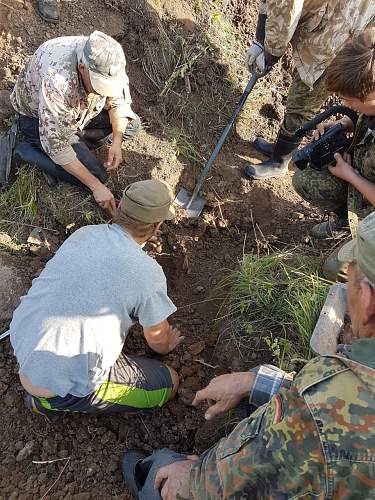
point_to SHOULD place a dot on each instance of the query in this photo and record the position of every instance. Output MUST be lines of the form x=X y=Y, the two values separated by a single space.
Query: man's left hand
x=343 y=168
x=114 y=157
x=176 y=479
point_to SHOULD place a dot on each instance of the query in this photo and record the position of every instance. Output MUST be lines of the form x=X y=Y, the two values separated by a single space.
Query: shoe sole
x=262 y=177
x=48 y=19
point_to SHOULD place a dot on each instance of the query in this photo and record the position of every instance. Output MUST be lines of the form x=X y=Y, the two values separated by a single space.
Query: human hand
x=114 y=157
x=343 y=168
x=173 y=479
x=175 y=338
x=225 y=392
x=104 y=198
x=251 y=55
x=320 y=129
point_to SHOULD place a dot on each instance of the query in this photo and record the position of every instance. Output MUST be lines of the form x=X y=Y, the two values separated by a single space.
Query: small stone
x=221 y=224
x=199 y=289
x=227 y=257
x=197 y=347
x=26 y=451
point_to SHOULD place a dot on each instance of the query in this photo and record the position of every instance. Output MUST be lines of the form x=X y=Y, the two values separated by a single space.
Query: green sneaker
x=34 y=405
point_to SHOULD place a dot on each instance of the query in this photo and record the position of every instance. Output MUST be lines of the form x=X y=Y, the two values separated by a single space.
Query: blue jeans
x=149 y=468
x=31 y=151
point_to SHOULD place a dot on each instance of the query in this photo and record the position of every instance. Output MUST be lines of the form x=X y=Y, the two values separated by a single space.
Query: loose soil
x=80 y=457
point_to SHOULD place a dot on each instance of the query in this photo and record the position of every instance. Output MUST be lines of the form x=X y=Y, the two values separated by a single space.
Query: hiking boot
x=277 y=165
x=131 y=471
x=49 y=10
x=331 y=229
x=264 y=147
x=34 y=405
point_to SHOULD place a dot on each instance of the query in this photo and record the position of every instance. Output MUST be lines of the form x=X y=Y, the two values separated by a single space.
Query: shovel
x=192 y=202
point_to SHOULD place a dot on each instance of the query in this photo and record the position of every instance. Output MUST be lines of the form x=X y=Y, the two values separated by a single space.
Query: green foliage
x=279 y=296
x=18 y=205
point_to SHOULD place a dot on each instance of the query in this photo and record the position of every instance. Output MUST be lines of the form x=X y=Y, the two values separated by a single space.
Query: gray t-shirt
x=71 y=326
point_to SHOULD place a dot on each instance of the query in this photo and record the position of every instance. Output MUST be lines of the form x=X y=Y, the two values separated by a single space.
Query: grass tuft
x=278 y=298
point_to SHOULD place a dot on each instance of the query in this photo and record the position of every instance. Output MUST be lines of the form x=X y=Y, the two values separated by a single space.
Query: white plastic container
x=330 y=322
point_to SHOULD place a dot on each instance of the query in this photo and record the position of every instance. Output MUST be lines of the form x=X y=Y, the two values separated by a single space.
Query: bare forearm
x=78 y=170
x=118 y=128
x=158 y=338
x=365 y=187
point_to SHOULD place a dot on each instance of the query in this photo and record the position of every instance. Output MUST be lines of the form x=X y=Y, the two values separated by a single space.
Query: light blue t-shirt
x=71 y=326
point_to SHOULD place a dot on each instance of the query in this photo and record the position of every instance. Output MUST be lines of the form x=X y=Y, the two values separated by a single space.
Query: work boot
x=277 y=165
x=264 y=147
x=331 y=229
x=49 y=10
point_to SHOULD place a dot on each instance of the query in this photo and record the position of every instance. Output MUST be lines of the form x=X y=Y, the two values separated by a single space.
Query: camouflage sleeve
x=57 y=121
x=282 y=20
x=262 y=9
x=275 y=453
x=121 y=107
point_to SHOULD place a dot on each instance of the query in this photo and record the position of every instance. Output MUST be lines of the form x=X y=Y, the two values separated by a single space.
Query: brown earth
x=79 y=458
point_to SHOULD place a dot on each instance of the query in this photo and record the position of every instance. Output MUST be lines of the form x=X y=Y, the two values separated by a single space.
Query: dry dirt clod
x=42 y=244
x=186 y=396
x=26 y=451
x=199 y=289
x=197 y=347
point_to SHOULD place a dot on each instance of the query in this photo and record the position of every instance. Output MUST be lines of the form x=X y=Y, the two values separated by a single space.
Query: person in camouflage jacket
x=347 y=189
x=311 y=438
x=316 y=29
x=71 y=95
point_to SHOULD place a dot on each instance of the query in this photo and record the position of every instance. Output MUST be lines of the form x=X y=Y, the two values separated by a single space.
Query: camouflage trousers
x=322 y=190
x=303 y=103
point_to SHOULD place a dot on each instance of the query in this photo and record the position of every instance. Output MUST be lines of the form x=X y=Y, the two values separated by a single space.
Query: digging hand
x=114 y=157
x=225 y=392
x=105 y=199
x=175 y=338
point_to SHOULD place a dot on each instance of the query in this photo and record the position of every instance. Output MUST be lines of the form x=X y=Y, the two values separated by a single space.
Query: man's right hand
x=225 y=392
x=251 y=56
x=104 y=198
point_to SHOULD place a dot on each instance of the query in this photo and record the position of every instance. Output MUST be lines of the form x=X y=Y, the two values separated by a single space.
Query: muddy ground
x=197 y=48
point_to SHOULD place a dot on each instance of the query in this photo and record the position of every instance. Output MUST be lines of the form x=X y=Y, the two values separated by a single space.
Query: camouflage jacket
x=315 y=440
x=316 y=28
x=363 y=155
x=50 y=88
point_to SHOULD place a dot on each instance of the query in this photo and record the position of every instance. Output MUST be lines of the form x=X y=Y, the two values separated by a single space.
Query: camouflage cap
x=362 y=249
x=106 y=63
x=148 y=201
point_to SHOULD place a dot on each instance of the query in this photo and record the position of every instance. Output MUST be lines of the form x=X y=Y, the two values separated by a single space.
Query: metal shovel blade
x=193 y=208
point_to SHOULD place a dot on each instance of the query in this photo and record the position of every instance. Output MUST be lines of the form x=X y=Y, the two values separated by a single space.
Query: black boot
x=331 y=229
x=277 y=165
x=264 y=147
x=49 y=10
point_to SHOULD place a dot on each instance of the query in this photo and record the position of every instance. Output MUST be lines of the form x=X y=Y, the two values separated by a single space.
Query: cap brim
x=108 y=87
x=348 y=253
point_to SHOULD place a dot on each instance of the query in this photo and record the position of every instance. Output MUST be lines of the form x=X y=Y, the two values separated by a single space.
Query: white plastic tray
x=330 y=322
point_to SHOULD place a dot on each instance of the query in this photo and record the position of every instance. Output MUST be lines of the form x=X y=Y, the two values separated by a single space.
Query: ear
x=367 y=302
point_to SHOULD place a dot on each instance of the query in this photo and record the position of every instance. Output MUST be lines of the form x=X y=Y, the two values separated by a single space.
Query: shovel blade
x=183 y=200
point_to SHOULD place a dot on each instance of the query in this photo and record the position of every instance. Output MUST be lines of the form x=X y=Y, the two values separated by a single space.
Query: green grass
x=277 y=297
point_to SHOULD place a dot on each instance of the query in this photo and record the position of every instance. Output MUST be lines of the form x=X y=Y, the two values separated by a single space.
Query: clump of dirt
x=184 y=93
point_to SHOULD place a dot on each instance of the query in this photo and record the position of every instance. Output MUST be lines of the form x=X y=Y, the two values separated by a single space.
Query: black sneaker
x=331 y=230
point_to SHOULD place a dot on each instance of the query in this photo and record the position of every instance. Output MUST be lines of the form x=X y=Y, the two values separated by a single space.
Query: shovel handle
x=224 y=134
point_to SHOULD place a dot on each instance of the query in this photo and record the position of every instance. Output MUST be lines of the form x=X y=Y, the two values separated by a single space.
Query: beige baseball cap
x=106 y=63
x=148 y=201
x=362 y=248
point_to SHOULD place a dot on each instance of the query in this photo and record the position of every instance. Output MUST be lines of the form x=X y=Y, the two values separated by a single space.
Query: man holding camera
x=312 y=437
x=348 y=188
x=316 y=29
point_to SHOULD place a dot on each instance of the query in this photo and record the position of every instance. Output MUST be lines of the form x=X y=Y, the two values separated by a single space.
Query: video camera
x=320 y=153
